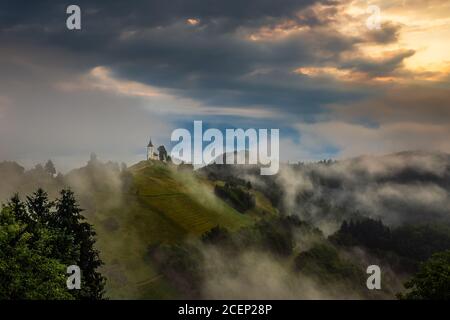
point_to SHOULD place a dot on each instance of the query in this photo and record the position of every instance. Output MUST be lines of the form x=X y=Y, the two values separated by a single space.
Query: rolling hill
x=152 y=203
x=154 y=207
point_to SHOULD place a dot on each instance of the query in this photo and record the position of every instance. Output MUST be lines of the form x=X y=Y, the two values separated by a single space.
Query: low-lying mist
x=408 y=187
x=301 y=254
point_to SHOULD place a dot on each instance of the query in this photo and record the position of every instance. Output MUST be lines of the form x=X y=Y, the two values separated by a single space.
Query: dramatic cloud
x=405 y=118
x=142 y=69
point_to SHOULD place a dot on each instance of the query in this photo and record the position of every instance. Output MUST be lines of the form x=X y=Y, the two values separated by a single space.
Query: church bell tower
x=150 y=150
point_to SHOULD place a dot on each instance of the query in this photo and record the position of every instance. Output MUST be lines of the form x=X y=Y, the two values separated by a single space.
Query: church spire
x=150 y=150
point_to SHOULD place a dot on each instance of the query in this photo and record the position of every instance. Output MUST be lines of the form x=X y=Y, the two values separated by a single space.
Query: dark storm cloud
x=282 y=62
x=155 y=12
x=388 y=33
x=227 y=70
x=378 y=67
x=150 y=42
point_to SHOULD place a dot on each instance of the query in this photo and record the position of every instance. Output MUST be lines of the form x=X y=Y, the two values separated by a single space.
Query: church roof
x=150 y=144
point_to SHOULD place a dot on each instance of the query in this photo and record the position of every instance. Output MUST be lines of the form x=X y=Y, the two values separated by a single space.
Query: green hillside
x=149 y=219
x=160 y=205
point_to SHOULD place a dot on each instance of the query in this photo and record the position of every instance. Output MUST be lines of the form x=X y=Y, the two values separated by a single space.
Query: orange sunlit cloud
x=192 y=21
x=422 y=28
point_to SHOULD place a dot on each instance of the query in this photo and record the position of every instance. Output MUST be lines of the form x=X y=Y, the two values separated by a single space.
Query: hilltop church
x=159 y=154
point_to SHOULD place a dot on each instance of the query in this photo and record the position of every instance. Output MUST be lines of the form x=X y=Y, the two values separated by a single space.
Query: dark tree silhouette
x=39 y=206
x=50 y=168
x=162 y=153
x=69 y=219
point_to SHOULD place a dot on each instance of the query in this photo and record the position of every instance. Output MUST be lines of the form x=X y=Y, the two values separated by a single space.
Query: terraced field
x=179 y=196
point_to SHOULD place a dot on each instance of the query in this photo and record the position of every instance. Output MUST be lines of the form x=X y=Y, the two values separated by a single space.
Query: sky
x=316 y=70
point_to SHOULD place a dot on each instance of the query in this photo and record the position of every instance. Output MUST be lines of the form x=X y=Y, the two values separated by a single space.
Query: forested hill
x=138 y=207
x=166 y=231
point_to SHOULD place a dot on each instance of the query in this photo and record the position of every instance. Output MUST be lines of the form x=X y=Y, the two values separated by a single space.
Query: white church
x=156 y=154
x=151 y=154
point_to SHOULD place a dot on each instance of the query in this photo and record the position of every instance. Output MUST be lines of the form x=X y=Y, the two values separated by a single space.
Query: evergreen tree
x=39 y=206
x=37 y=244
x=69 y=219
x=162 y=153
x=18 y=209
x=50 y=168
x=27 y=268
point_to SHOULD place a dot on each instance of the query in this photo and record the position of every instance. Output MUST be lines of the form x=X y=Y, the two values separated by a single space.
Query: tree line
x=39 y=239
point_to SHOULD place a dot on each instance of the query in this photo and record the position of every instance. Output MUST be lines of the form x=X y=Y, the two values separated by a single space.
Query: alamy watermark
x=374 y=280
x=239 y=147
x=74 y=278
x=73 y=21
x=373 y=22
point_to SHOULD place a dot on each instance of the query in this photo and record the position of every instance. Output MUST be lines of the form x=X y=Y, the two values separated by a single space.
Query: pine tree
x=39 y=206
x=50 y=168
x=69 y=219
x=18 y=209
x=162 y=152
x=27 y=270
x=38 y=243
